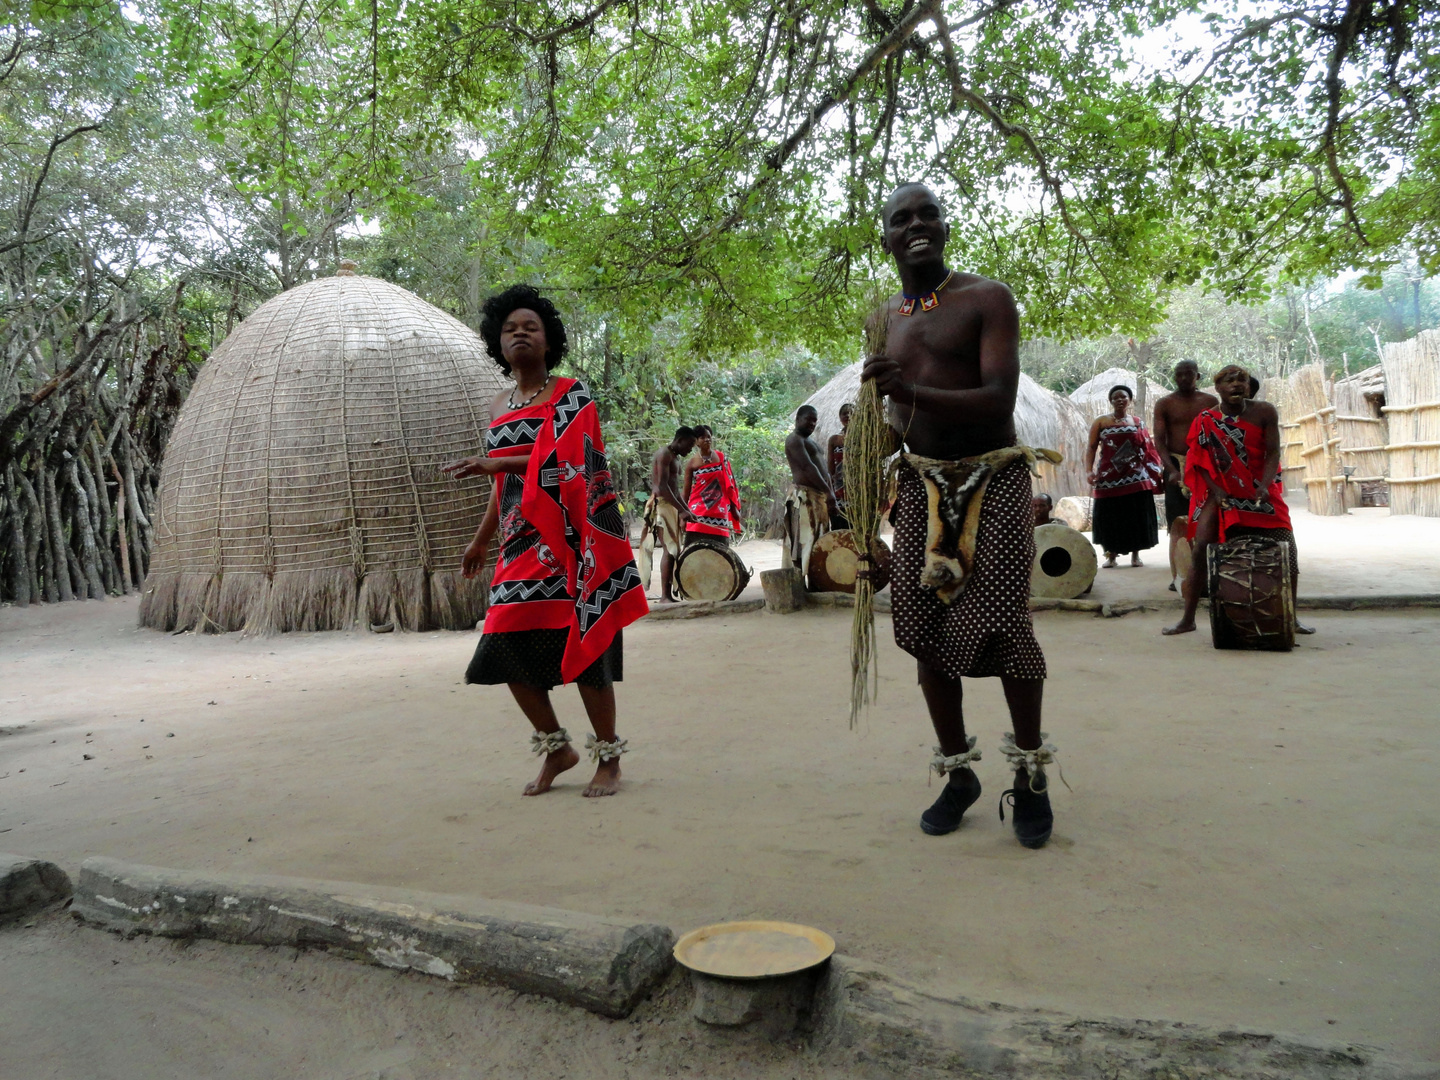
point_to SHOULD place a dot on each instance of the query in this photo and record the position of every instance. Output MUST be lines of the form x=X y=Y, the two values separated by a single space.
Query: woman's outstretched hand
x=473 y=561
x=467 y=467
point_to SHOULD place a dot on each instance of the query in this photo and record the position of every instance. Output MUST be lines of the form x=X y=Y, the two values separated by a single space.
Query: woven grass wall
x=301 y=488
x=1310 y=402
x=1412 y=408
x=1361 y=428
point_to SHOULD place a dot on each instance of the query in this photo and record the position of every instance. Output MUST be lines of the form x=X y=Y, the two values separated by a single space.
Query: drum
x=707 y=570
x=1065 y=562
x=1075 y=511
x=1250 y=602
x=835 y=561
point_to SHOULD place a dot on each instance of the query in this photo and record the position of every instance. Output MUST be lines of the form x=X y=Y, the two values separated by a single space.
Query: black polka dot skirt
x=986 y=631
x=533 y=657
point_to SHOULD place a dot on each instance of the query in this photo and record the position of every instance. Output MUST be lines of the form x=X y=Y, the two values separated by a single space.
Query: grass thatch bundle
x=867 y=444
x=301 y=488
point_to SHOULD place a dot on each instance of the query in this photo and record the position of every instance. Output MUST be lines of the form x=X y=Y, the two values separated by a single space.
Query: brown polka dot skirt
x=986 y=630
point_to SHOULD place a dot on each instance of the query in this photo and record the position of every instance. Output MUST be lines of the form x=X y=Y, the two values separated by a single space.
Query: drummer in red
x=711 y=492
x=1232 y=468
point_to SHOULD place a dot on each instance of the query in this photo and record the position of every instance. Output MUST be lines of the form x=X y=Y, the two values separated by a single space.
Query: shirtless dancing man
x=666 y=513
x=951 y=370
x=1174 y=413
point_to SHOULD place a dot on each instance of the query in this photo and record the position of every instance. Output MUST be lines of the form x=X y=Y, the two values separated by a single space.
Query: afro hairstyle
x=498 y=308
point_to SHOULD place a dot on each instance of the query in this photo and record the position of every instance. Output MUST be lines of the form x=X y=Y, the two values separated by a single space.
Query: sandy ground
x=1365 y=552
x=1249 y=839
x=165 y=1010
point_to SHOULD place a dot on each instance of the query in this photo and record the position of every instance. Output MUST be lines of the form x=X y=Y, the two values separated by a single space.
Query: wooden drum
x=1251 y=606
x=1065 y=563
x=835 y=561
x=707 y=570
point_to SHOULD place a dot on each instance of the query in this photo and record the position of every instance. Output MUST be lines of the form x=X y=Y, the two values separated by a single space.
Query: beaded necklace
x=511 y=400
x=927 y=301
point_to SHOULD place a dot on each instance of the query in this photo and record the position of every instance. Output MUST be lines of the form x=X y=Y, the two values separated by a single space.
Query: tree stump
x=784 y=589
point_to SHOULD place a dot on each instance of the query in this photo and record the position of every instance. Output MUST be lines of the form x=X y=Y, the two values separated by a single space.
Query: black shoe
x=962 y=788
x=1032 y=817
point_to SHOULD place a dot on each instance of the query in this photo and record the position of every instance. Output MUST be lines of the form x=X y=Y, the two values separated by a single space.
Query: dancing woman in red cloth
x=1232 y=468
x=565 y=583
x=711 y=492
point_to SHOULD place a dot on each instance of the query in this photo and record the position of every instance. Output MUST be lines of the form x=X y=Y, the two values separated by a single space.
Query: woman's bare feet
x=1109 y=563
x=1135 y=560
x=606 y=781
x=554 y=764
x=1184 y=626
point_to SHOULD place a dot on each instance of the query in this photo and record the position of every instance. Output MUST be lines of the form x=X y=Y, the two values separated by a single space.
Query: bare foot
x=1135 y=561
x=1301 y=628
x=1184 y=626
x=553 y=766
x=606 y=781
x=1109 y=563
x=665 y=600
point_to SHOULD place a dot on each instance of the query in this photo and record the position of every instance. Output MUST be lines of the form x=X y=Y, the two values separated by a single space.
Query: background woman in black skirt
x=1125 y=479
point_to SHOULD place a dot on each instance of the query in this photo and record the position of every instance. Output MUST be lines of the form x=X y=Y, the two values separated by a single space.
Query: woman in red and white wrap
x=711 y=492
x=1124 y=480
x=565 y=582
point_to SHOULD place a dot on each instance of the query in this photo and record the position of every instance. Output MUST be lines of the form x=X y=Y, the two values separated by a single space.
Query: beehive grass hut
x=301 y=487
x=1042 y=419
x=1092 y=397
x=1412 y=411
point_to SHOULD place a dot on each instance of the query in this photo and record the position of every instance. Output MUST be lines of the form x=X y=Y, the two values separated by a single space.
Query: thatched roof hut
x=301 y=488
x=1092 y=397
x=1042 y=419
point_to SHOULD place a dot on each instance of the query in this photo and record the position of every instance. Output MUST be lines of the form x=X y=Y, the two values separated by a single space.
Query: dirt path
x=1249 y=840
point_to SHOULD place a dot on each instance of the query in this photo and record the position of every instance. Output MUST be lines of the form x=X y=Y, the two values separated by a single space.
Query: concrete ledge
x=694 y=609
x=599 y=964
x=889 y=1028
x=1360 y=603
x=29 y=885
x=845 y=599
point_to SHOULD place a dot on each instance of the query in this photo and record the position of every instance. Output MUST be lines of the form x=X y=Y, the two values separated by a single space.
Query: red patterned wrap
x=715 y=498
x=1128 y=461
x=565 y=561
x=1231 y=452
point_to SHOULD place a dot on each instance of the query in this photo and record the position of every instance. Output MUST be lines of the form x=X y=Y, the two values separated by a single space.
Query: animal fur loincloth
x=807 y=518
x=662 y=526
x=955 y=496
x=984 y=630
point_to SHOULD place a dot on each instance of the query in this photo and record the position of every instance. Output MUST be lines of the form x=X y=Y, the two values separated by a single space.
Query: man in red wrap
x=711 y=492
x=1232 y=468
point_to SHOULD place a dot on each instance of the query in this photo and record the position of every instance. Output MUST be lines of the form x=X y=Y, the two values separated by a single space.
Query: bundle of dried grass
x=867 y=444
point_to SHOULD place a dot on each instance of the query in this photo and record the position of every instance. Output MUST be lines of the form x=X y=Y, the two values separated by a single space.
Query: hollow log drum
x=835 y=561
x=709 y=571
x=1065 y=563
x=1251 y=606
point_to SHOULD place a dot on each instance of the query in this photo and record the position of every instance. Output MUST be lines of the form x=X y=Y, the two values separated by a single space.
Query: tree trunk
x=101 y=519
x=59 y=563
x=84 y=525
x=20 y=570
x=35 y=534
x=124 y=542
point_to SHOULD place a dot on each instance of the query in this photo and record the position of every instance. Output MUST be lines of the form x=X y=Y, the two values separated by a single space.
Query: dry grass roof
x=301 y=488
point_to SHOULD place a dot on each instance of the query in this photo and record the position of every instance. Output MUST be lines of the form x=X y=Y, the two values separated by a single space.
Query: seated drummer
x=1043 y=506
x=711 y=492
x=1232 y=465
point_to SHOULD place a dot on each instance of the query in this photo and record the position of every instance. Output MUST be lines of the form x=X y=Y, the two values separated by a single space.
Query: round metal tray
x=753 y=950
